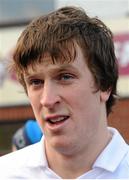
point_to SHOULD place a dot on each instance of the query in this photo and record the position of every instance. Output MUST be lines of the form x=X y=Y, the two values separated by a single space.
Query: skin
x=14 y=148
x=68 y=90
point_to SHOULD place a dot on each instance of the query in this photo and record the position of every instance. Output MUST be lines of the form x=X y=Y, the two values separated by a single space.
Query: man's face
x=65 y=103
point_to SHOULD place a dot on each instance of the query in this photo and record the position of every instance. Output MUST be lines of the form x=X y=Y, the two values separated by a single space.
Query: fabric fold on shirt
x=113 y=154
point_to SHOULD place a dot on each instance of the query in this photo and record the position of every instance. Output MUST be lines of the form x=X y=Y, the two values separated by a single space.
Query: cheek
x=85 y=104
x=35 y=103
x=34 y=98
x=79 y=98
x=86 y=113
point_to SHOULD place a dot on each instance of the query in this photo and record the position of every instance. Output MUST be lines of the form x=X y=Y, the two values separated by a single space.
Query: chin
x=64 y=147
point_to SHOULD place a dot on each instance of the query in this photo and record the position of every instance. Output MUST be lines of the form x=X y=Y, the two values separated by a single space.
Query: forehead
x=47 y=63
x=63 y=56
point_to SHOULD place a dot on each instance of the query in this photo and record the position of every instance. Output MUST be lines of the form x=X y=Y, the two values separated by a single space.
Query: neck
x=73 y=166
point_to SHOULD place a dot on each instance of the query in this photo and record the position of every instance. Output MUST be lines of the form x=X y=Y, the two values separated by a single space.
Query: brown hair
x=57 y=33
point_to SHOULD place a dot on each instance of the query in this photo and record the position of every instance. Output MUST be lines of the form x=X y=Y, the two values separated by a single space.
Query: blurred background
x=15 y=109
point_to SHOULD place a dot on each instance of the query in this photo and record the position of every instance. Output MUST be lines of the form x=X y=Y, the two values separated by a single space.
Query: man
x=66 y=63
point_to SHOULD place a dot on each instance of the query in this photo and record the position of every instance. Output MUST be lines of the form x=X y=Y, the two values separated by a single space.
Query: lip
x=58 y=125
x=54 y=117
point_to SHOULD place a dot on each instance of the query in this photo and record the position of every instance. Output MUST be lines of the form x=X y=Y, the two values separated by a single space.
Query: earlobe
x=104 y=95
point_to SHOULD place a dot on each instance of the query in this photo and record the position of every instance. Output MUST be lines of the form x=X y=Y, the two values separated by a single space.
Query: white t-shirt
x=31 y=163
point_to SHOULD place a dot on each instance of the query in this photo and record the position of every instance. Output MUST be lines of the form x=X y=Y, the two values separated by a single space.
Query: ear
x=104 y=95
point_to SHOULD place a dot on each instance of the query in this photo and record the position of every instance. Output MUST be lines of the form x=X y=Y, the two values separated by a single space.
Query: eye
x=65 y=77
x=35 y=82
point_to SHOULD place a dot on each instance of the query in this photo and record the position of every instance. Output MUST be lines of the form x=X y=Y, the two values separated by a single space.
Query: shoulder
x=17 y=161
x=13 y=157
x=19 y=156
x=127 y=158
x=124 y=166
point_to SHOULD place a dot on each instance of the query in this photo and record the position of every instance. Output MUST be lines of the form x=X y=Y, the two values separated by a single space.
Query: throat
x=68 y=167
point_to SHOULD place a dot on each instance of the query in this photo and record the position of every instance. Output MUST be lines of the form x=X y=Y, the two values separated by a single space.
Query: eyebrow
x=61 y=68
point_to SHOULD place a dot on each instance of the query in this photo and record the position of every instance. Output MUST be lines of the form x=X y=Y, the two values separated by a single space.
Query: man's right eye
x=35 y=82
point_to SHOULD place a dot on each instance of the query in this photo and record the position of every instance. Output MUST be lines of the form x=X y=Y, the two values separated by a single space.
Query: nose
x=50 y=96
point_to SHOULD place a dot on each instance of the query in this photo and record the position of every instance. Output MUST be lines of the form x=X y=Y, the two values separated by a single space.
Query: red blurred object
x=121 y=42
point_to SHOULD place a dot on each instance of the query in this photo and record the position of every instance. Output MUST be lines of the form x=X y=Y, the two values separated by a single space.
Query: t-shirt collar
x=113 y=154
x=109 y=159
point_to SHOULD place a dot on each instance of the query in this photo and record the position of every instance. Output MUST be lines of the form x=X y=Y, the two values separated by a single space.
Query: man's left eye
x=65 y=76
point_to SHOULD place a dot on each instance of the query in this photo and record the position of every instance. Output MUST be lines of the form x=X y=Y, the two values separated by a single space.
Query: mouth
x=56 y=120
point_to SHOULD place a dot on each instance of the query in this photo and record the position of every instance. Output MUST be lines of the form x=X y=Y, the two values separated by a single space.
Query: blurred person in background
x=66 y=62
x=29 y=134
